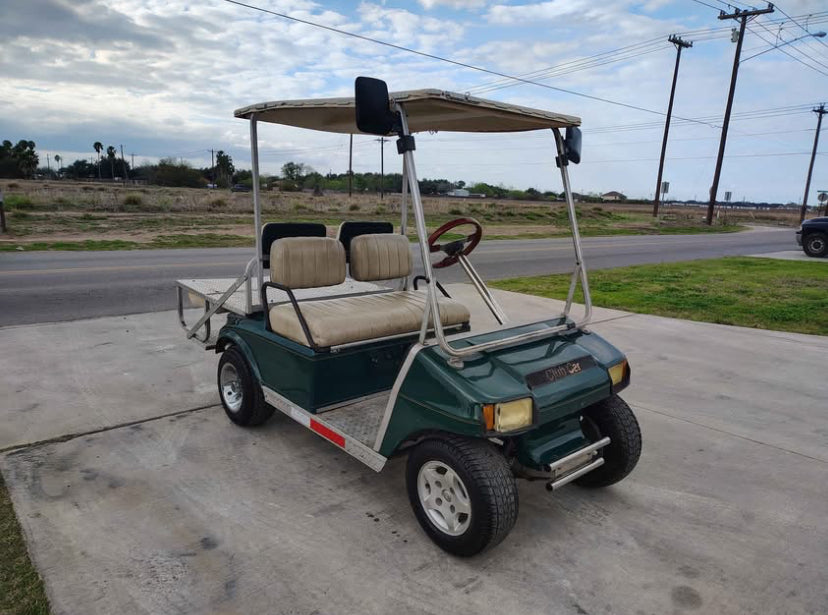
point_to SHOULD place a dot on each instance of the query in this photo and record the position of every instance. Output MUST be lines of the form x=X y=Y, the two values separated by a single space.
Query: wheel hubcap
x=444 y=498
x=231 y=387
x=817 y=245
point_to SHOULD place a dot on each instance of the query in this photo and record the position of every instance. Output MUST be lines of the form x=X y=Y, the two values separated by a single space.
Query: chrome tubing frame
x=210 y=307
x=257 y=209
x=456 y=354
x=480 y=285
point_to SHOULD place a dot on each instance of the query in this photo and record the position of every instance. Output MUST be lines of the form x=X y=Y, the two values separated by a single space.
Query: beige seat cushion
x=354 y=319
x=380 y=257
x=307 y=262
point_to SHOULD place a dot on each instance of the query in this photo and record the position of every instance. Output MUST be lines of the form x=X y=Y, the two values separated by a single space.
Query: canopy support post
x=580 y=268
x=257 y=208
x=404 y=213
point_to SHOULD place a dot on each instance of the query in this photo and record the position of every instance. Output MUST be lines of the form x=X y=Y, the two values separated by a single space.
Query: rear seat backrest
x=307 y=262
x=380 y=257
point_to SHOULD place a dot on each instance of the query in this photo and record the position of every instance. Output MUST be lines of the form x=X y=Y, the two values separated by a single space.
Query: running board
x=326 y=429
x=566 y=469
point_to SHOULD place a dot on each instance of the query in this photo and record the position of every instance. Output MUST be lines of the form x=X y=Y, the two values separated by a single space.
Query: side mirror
x=372 y=113
x=572 y=144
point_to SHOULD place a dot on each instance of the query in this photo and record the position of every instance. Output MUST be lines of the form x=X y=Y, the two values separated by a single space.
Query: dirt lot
x=78 y=215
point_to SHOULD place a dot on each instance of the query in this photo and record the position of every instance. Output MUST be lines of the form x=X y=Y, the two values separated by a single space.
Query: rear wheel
x=614 y=418
x=241 y=395
x=463 y=493
x=815 y=244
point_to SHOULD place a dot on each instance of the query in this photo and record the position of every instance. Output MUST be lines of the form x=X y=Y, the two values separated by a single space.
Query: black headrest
x=349 y=230
x=279 y=230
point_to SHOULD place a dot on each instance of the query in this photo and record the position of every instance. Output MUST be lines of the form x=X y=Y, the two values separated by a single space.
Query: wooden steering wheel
x=458 y=247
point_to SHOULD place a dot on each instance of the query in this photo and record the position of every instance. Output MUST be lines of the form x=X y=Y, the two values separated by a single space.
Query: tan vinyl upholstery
x=380 y=257
x=307 y=262
x=353 y=319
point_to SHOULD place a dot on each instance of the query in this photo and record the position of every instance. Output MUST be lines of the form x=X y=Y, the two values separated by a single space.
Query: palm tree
x=110 y=153
x=98 y=149
x=57 y=162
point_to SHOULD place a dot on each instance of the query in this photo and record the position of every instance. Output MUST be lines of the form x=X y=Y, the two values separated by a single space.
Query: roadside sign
x=823 y=196
x=665 y=187
x=727 y=196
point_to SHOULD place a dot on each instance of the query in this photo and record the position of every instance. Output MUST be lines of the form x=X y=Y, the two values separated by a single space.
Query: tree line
x=22 y=161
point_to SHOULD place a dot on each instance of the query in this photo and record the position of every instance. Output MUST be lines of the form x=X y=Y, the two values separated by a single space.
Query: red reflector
x=327 y=433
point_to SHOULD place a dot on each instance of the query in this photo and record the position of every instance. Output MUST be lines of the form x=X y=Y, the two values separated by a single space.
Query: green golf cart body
x=344 y=342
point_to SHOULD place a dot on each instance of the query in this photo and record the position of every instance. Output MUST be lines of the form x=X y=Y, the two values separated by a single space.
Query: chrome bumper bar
x=563 y=462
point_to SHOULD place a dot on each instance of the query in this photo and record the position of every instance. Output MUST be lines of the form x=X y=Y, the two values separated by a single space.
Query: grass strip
x=745 y=291
x=21 y=588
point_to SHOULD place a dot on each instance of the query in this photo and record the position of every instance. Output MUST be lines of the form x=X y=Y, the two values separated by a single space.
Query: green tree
x=57 y=162
x=293 y=171
x=168 y=172
x=98 y=146
x=225 y=168
x=110 y=154
x=18 y=161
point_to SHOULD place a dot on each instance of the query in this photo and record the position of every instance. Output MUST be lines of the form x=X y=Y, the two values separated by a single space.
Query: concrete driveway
x=158 y=504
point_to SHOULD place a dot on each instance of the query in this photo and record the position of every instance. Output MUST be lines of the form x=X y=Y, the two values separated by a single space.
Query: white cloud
x=454 y=4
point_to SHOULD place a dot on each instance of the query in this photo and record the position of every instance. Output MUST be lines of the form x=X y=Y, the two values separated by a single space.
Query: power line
x=788 y=53
x=779 y=46
x=715 y=8
x=449 y=61
x=778 y=8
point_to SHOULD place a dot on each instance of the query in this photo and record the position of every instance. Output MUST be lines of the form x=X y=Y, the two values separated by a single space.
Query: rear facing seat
x=313 y=262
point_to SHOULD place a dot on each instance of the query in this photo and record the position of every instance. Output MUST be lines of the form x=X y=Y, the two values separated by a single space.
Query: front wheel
x=463 y=493
x=815 y=244
x=614 y=418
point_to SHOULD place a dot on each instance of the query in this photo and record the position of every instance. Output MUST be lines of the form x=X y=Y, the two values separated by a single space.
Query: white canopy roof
x=427 y=110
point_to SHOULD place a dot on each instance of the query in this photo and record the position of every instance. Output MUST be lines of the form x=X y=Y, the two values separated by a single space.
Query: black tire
x=815 y=244
x=614 y=418
x=252 y=409
x=491 y=492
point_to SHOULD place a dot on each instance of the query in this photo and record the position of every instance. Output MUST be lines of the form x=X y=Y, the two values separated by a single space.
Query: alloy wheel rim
x=444 y=498
x=231 y=387
x=817 y=244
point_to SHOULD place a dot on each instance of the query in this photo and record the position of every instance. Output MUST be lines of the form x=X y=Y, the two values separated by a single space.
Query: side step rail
x=212 y=306
x=566 y=469
x=322 y=428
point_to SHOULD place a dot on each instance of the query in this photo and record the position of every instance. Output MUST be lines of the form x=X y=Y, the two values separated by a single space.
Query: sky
x=163 y=77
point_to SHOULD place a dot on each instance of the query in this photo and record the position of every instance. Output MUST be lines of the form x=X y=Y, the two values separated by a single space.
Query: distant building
x=462 y=192
x=613 y=196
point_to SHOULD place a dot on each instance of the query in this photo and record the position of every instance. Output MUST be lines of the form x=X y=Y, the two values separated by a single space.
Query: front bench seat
x=346 y=320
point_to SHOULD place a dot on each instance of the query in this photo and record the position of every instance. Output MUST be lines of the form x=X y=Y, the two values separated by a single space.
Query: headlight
x=617 y=372
x=508 y=416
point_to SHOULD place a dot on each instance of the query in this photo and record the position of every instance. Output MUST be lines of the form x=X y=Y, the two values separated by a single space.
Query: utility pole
x=742 y=16
x=133 y=161
x=680 y=44
x=123 y=165
x=382 y=141
x=49 y=163
x=820 y=111
x=212 y=169
x=351 y=167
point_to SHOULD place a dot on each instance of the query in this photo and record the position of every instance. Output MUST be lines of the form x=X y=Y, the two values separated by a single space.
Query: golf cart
x=340 y=335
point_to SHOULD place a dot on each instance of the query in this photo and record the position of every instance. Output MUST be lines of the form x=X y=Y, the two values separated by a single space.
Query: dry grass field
x=76 y=215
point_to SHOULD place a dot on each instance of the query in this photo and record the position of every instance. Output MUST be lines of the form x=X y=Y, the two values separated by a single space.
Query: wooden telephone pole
x=820 y=111
x=680 y=44
x=743 y=17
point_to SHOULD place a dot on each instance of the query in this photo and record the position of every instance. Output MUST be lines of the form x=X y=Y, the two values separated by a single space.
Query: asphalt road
x=57 y=286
